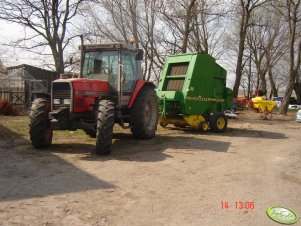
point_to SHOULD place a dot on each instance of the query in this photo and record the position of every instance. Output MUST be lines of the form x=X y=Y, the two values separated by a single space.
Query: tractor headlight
x=56 y=101
x=66 y=101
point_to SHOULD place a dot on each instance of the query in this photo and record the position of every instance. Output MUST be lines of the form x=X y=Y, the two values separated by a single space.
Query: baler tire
x=163 y=124
x=218 y=122
x=90 y=132
x=144 y=114
x=40 y=131
x=180 y=126
x=104 y=128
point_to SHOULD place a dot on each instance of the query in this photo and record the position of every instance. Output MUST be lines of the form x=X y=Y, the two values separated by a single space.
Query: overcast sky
x=12 y=57
x=9 y=31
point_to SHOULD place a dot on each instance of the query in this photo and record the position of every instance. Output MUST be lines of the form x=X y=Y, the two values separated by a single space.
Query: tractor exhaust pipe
x=81 y=55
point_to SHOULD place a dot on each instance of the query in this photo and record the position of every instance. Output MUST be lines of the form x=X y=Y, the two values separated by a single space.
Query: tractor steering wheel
x=105 y=70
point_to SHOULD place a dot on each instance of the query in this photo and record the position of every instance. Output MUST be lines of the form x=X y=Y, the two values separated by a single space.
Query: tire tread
x=105 y=124
x=39 y=122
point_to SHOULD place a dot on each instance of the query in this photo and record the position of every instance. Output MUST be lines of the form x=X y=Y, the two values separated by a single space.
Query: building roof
x=28 y=66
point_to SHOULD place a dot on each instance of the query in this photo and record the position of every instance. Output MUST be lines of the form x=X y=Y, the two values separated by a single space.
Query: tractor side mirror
x=139 y=55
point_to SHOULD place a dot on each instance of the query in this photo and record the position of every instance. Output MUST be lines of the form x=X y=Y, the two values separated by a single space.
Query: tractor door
x=129 y=76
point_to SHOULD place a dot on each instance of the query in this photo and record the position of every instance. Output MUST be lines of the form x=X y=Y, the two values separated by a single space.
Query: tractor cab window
x=129 y=70
x=102 y=66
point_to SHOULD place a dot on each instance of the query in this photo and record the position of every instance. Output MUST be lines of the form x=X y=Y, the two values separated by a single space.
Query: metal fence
x=19 y=87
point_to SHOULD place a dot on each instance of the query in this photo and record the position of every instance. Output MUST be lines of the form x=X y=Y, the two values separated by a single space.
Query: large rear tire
x=105 y=124
x=39 y=124
x=144 y=114
x=218 y=122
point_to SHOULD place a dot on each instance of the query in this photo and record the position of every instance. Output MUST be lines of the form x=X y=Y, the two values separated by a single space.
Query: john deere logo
x=282 y=215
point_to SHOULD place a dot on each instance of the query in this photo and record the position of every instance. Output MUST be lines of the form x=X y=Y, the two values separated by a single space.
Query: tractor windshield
x=102 y=66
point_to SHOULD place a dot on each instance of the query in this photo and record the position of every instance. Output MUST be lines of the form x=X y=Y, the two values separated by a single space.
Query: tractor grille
x=175 y=85
x=61 y=91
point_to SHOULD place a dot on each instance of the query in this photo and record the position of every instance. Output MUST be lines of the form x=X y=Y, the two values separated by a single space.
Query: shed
x=23 y=81
x=2 y=70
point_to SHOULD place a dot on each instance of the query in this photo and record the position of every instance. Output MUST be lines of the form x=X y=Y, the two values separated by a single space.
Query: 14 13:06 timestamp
x=238 y=205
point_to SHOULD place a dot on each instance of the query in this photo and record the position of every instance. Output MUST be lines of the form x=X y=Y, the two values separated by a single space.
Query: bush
x=6 y=108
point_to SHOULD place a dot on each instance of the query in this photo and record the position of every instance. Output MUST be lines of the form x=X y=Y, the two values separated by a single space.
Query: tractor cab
x=117 y=63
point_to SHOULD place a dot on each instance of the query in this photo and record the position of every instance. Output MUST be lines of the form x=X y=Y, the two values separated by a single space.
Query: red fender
x=139 y=85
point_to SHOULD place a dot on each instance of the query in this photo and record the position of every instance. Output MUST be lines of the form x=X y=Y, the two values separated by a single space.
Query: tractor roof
x=110 y=46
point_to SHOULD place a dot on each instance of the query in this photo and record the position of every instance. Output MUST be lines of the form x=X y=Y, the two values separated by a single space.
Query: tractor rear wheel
x=144 y=114
x=218 y=122
x=39 y=124
x=104 y=129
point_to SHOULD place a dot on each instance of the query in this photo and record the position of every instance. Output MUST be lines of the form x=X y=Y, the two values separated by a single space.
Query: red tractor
x=110 y=90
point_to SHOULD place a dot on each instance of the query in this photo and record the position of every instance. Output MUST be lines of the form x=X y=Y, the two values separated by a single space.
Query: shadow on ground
x=240 y=132
x=237 y=132
x=26 y=173
x=126 y=147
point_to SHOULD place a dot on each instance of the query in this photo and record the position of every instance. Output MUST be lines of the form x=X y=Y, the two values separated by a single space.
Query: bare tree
x=267 y=42
x=297 y=87
x=291 y=11
x=245 y=10
x=47 y=20
x=177 y=17
x=192 y=25
x=125 y=19
x=207 y=27
x=160 y=27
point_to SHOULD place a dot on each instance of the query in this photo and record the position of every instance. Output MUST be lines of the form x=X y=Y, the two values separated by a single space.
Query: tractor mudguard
x=42 y=95
x=138 y=87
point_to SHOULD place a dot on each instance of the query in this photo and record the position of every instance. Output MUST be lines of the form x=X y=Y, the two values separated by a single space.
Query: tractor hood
x=83 y=84
x=78 y=94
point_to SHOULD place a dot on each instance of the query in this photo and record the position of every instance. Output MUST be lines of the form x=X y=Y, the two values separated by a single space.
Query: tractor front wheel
x=39 y=124
x=104 y=129
x=218 y=122
x=144 y=114
x=90 y=132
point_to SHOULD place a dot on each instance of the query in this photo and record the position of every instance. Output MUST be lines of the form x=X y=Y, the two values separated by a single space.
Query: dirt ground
x=178 y=178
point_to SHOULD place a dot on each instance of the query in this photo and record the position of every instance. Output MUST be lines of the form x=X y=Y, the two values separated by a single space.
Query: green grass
x=17 y=126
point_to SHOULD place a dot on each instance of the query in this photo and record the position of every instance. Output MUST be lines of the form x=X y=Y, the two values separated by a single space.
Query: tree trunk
x=257 y=82
x=249 y=77
x=263 y=83
x=287 y=97
x=295 y=59
x=239 y=66
x=297 y=89
x=58 y=62
x=274 y=90
x=189 y=15
x=242 y=37
x=59 y=66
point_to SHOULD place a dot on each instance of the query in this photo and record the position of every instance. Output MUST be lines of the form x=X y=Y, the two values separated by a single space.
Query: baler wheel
x=163 y=124
x=203 y=126
x=218 y=122
x=144 y=114
x=104 y=129
x=39 y=124
x=180 y=126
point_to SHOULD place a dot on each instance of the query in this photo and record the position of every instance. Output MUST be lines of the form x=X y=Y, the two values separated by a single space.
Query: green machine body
x=192 y=92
